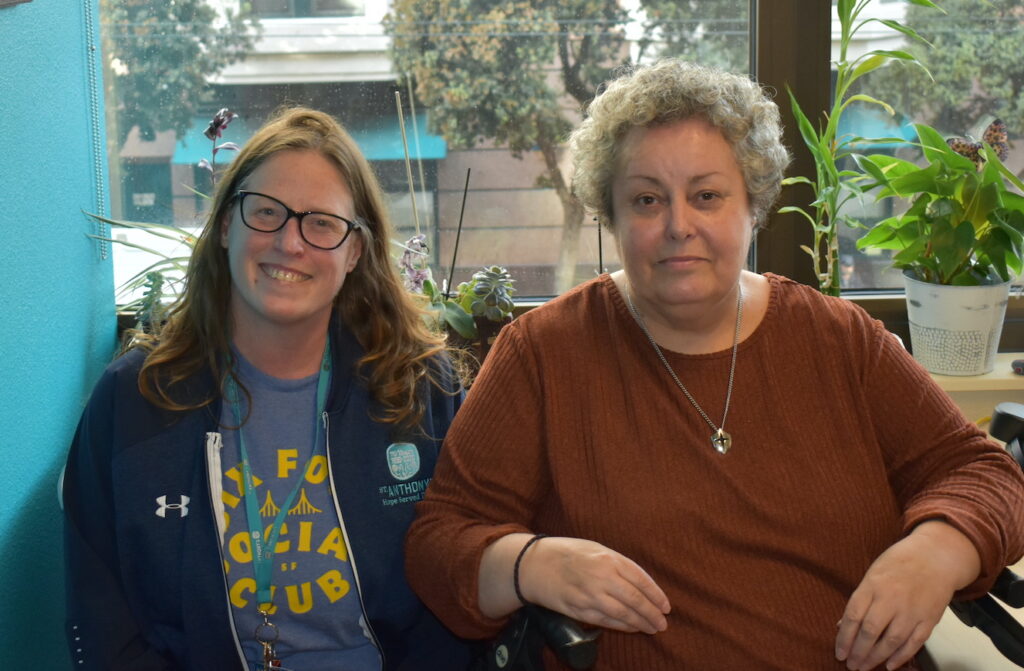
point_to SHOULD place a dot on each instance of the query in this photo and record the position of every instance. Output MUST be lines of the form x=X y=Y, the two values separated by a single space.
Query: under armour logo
x=182 y=507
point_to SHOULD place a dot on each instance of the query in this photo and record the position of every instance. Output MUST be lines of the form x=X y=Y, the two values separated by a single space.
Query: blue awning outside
x=383 y=140
x=379 y=139
x=872 y=121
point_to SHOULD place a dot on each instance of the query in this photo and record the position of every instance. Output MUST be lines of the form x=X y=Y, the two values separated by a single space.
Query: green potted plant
x=477 y=305
x=962 y=235
x=487 y=298
x=833 y=186
x=474 y=314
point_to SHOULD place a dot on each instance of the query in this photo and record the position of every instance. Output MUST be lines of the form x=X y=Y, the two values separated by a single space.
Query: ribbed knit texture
x=841 y=444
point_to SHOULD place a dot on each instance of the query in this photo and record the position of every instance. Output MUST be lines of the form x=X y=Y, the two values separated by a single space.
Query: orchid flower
x=219 y=123
x=414 y=263
x=216 y=129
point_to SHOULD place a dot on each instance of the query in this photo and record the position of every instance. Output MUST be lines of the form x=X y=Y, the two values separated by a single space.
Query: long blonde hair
x=373 y=303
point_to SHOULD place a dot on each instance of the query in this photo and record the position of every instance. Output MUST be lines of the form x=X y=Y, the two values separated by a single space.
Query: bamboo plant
x=832 y=186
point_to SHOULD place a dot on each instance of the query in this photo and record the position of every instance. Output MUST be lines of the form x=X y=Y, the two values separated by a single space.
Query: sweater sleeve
x=488 y=483
x=942 y=466
x=102 y=631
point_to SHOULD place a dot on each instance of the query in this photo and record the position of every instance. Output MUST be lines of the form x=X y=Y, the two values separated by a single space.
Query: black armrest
x=1006 y=633
x=574 y=645
x=1007 y=421
x=1009 y=588
x=520 y=644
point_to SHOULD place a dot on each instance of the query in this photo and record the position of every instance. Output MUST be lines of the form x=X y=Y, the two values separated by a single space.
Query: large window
x=487 y=97
x=490 y=97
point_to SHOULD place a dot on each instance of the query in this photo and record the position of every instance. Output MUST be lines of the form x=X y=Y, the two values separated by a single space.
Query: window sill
x=978 y=395
x=1002 y=377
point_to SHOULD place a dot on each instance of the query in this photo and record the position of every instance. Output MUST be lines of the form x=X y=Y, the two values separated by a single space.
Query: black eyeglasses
x=266 y=214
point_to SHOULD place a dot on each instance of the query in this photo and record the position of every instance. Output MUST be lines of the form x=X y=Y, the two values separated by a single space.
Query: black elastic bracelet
x=519 y=559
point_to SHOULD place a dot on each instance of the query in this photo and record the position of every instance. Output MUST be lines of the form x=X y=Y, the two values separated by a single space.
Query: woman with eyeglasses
x=240 y=483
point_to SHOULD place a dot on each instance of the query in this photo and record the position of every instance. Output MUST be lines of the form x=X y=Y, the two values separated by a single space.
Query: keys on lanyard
x=266 y=635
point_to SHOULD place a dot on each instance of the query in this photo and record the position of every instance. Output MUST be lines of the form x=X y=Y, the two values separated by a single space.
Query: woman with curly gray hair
x=655 y=453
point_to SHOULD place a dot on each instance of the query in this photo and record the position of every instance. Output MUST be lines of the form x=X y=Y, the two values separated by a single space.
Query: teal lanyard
x=263 y=548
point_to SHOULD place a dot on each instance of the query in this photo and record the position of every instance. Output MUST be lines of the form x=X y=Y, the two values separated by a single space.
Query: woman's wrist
x=961 y=555
x=496 y=595
x=516 y=567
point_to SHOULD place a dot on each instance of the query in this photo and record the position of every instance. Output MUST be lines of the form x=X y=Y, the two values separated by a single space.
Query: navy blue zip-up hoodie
x=147 y=590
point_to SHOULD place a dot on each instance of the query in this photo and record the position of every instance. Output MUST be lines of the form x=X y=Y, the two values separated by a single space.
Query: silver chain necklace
x=720 y=440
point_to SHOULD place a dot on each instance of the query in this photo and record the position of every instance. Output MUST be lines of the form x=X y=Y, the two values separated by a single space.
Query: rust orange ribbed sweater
x=841 y=444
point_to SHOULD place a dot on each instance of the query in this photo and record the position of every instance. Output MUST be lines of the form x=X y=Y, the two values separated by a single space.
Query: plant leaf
x=798 y=210
x=906 y=30
x=862 y=97
x=927 y=3
x=459 y=320
x=807 y=132
x=867 y=65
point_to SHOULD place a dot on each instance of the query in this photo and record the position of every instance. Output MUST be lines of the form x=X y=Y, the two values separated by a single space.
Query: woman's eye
x=707 y=196
x=646 y=199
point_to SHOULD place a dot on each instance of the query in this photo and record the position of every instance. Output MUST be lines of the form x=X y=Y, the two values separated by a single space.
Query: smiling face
x=682 y=217
x=278 y=280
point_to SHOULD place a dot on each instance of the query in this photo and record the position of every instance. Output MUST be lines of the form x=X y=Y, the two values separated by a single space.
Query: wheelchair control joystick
x=520 y=644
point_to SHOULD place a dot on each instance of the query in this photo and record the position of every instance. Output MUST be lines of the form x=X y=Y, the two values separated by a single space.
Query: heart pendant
x=721 y=441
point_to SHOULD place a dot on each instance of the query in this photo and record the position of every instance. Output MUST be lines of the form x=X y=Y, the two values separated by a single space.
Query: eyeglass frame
x=352 y=225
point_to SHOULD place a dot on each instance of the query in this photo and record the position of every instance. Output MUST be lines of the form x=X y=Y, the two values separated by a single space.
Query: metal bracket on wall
x=90 y=10
x=11 y=3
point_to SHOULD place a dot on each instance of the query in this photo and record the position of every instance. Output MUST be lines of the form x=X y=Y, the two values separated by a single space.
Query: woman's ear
x=225 y=223
x=355 y=252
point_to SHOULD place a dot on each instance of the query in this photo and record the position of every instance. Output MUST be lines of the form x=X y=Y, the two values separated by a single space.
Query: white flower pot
x=955 y=330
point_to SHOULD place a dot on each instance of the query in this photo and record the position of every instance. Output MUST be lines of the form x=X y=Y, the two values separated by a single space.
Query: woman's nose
x=680 y=222
x=288 y=238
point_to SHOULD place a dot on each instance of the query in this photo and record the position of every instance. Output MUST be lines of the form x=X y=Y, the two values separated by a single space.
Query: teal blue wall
x=56 y=302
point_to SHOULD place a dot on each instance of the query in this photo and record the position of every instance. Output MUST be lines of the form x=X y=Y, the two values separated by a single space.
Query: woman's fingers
x=910 y=647
x=902 y=596
x=857 y=635
x=875 y=643
x=635 y=598
x=872 y=643
x=627 y=608
x=594 y=584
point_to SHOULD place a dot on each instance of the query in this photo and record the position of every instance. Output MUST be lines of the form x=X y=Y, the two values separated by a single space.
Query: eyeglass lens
x=267 y=214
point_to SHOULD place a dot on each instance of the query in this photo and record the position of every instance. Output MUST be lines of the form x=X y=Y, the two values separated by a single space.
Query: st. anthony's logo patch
x=403 y=460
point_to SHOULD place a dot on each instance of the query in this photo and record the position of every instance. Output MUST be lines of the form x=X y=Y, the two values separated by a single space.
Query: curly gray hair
x=672 y=90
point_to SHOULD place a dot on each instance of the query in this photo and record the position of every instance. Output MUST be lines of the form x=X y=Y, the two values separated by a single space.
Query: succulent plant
x=488 y=294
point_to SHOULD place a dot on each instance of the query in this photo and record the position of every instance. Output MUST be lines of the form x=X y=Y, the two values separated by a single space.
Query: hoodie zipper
x=214 y=443
x=348 y=545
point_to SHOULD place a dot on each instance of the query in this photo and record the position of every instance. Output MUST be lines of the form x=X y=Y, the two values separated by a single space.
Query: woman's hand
x=903 y=594
x=579 y=578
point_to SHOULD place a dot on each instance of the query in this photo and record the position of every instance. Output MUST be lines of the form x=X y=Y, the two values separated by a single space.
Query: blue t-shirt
x=316 y=603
